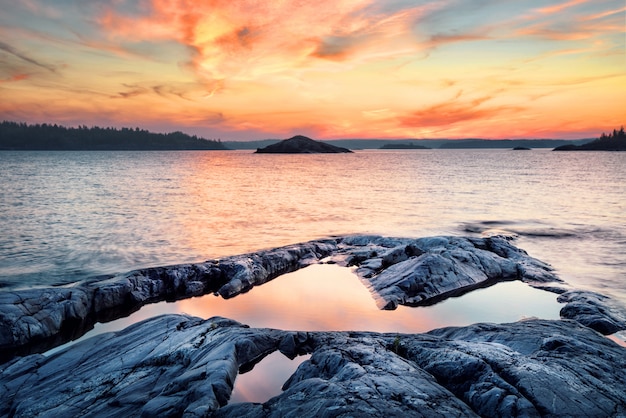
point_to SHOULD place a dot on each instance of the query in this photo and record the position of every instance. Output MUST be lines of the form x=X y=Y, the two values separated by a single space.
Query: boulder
x=35 y=320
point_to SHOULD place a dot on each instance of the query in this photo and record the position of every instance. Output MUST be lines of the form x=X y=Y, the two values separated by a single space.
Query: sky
x=328 y=69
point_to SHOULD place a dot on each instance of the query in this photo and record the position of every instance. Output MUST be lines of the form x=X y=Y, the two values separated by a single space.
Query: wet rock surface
x=407 y=271
x=176 y=365
x=593 y=310
x=424 y=271
x=34 y=320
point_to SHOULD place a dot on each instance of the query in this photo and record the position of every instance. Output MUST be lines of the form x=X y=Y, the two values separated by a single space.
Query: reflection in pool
x=327 y=297
x=266 y=379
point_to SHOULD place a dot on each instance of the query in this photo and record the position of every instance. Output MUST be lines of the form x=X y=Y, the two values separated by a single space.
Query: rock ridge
x=408 y=271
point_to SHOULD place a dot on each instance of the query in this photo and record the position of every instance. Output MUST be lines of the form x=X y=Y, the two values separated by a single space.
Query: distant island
x=21 y=136
x=403 y=146
x=521 y=149
x=356 y=143
x=300 y=144
x=615 y=141
x=502 y=143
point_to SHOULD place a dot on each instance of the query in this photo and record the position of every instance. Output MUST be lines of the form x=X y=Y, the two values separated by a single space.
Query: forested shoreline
x=614 y=141
x=22 y=136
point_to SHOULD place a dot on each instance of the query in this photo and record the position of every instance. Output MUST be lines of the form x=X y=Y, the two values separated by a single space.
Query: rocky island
x=301 y=145
x=177 y=365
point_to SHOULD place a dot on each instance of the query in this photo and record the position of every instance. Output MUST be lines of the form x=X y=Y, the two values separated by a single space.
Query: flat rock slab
x=176 y=365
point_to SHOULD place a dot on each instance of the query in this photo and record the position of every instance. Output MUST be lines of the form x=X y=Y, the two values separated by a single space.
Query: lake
x=66 y=216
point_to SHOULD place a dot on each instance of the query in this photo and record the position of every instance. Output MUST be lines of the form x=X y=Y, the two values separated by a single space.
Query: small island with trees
x=614 y=141
x=48 y=137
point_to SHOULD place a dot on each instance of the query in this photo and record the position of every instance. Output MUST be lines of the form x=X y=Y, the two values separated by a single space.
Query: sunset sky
x=244 y=70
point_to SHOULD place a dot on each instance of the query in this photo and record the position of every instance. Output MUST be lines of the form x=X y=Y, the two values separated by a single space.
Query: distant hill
x=20 y=136
x=615 y=141
x=252 y=145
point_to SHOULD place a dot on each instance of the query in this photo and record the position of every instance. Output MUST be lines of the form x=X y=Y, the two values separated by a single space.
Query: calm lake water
x=66 y=216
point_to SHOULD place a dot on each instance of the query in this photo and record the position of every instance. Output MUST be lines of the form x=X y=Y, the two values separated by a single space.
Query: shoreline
x=176 y=364
x=397 y=271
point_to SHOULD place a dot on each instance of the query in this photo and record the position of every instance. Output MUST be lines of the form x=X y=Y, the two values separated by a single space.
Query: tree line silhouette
x=22 y=136
x=613 y=141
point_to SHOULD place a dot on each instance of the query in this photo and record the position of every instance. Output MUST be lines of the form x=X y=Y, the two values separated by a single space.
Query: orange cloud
x=604 y=14
x=442 y=39
x=450 y=113
x=13 y=78
x=247 y=39
x=571 y=31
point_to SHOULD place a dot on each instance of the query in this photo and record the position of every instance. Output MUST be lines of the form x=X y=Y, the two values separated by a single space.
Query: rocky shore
x=399 y=270
x=176 y=365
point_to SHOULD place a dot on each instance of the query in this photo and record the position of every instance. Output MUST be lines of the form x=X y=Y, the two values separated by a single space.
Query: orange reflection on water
x=331 y=298
x=317 y=298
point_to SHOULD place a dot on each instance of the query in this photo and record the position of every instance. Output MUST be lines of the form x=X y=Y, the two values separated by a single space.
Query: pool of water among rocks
x=328 y=297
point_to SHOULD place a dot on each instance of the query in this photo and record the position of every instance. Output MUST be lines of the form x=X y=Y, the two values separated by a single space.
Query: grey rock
x=594 y=310
x=176 y=365
x=34 y=320
x=530 y=368
x=425 y=271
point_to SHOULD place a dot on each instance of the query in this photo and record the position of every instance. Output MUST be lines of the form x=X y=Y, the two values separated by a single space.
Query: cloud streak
x=24 y=57
x=450 y=113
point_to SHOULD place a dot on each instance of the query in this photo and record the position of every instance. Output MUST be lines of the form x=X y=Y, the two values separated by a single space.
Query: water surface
x=66 y=216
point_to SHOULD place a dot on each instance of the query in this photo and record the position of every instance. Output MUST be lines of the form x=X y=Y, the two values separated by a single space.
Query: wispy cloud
x=560 y=7
x=25 y=57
